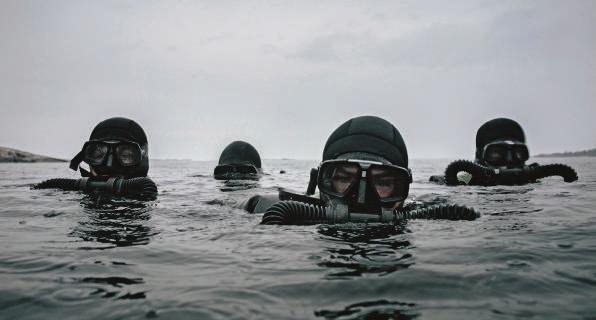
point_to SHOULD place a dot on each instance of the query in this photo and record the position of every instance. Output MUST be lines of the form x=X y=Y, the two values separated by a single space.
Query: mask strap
x=74 y=163
x=312 y=183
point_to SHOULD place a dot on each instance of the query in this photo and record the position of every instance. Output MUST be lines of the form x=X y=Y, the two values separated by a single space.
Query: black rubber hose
x=64 y=184
x=444 y=212
x=298 y=213
x=566 y=172
x=141 y=188
x=294 y=213
x=484 y=176
x=480 y=175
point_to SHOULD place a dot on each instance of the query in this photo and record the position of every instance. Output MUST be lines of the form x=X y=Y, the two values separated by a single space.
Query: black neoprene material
x=119 y=128
x=498 y=129
x=367 y=134
x=240 y=152
x=298 y=213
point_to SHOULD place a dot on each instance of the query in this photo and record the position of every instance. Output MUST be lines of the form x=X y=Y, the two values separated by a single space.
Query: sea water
x=192 y=255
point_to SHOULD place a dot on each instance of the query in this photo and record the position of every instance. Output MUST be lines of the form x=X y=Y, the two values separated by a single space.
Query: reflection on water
x=120 y=222
x=357 y=232
x=381 y=309
x=238 y=185
x=190 y=254
x=359 y=249
x=109 y=287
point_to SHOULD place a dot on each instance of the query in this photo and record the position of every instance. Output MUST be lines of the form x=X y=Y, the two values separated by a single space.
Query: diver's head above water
x=365 y=166
x=117 y=147
x=501 y=143
x=239 y=160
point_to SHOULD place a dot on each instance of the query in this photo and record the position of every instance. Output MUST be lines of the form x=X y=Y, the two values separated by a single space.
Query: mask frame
x=112 y=145
x=363 y=180
x=510 y=154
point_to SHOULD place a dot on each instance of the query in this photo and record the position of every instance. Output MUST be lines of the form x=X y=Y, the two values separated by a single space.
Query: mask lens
x=389 y=182
x=246 y=170
x=227 y=171
x=495 y=155
x=95 y=153
x=338 y=178
x=223 y=169
x=128 y=154
x=520 y=153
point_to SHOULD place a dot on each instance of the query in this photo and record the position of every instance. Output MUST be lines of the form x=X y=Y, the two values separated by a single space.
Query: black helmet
x=238 y=160
x=115 y=132
x=369 y=135
x=240 y=152
x=502 y=131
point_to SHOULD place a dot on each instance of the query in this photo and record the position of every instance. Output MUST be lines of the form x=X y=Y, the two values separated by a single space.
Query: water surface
x=191 y=255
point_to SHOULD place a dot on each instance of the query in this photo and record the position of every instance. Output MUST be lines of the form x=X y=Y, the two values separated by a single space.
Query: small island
x=583 y=153
x=14 y=155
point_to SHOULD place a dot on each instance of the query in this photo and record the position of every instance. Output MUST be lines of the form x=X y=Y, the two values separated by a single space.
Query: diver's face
x=113 y=157
x=363 y=185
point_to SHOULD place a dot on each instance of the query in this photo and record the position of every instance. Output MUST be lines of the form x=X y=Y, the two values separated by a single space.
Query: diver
x=238 y=161
x=363 y=176
x=118 y=157
x=501 y=155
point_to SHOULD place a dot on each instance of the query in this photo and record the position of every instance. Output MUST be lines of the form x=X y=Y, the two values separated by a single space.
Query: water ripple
x=191 y=255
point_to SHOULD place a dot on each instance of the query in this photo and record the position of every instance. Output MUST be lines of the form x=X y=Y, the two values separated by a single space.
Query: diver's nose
x=109 y=161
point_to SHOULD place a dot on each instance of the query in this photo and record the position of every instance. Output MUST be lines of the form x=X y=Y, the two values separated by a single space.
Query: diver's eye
x=95 y=153
x=341 y=182
x=521 y=154
x=338 y=178
x=389 y=182
x=246 y=169
x=494 y=156
x=384 y=182
x=128 y=155
x=342 y=179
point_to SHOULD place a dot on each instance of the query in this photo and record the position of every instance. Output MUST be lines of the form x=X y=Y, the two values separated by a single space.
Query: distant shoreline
x=10 y=155
x=567 y=154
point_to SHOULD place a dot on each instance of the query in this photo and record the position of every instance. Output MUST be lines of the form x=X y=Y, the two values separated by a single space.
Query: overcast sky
x=283 y=74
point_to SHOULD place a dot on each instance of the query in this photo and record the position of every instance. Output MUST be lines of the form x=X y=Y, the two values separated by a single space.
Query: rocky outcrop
x=583 y=153
x=14 y=155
